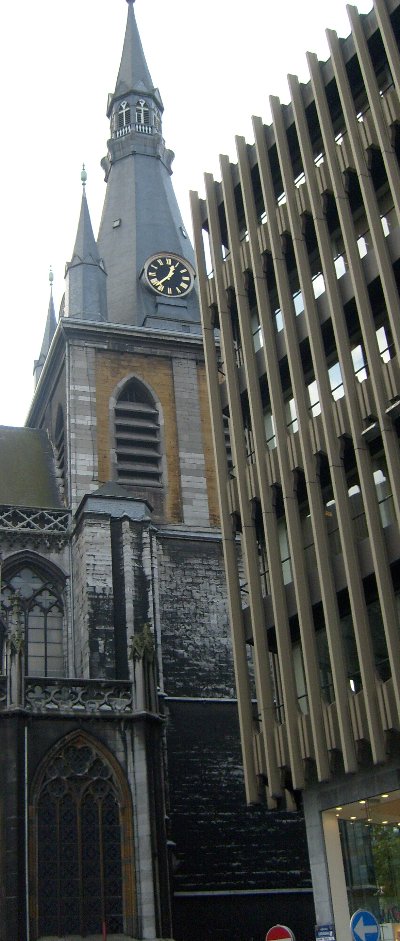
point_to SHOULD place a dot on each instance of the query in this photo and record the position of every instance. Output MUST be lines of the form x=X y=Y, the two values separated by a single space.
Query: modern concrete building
x=298 y=254
x=122 y=806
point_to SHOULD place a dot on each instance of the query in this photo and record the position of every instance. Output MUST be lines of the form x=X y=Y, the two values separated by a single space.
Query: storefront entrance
x=363 y=850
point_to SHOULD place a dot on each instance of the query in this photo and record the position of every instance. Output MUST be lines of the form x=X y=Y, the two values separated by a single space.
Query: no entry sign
x=280 y=933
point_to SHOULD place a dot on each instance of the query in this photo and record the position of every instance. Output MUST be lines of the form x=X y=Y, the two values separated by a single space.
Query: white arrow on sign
x=363 y=930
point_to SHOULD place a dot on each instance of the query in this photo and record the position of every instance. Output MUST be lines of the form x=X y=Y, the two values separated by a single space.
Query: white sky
x=215 y=62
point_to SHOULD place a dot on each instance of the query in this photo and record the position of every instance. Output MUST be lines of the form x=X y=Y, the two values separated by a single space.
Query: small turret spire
x=85 y=289
x=49 y=331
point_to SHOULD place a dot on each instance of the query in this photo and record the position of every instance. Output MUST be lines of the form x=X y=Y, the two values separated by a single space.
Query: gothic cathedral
x=122 y=809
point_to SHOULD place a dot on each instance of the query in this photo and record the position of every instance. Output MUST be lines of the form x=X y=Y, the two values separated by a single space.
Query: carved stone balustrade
x=51 y=525
x=82 y=697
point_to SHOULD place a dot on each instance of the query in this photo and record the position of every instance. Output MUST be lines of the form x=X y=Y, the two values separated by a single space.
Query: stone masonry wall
x=93 y=599
x=195 y=635
x=191 y=457
x=82 y=423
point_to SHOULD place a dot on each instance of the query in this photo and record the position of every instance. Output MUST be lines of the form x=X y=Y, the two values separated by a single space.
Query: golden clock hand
x=169 y=275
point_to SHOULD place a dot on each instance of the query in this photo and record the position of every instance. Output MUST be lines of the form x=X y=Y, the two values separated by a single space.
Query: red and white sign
x=280 y=933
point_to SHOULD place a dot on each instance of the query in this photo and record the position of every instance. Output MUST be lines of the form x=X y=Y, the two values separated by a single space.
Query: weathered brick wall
x=195 y=635
x=242 y=917
x=220 y=842
x=223 y=846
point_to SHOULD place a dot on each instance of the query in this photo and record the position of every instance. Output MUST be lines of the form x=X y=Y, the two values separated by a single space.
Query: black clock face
x=169 y=276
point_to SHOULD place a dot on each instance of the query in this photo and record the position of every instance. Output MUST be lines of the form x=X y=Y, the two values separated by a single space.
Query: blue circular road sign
x=364 y=926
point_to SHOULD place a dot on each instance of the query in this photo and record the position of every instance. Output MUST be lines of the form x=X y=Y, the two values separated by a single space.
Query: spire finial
x=51 y=279
x=83 y=177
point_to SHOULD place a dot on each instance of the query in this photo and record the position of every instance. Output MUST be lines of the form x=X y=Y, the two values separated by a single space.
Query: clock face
x=169 y=275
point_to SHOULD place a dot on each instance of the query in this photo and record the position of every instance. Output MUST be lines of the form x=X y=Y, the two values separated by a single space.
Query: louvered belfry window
x=124 y=115
x=137 y=437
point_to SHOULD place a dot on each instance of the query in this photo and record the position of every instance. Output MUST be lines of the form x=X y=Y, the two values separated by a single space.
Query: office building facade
x=298 y=250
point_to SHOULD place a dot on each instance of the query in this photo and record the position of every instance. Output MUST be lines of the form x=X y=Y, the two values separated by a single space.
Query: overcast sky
x=215 y=62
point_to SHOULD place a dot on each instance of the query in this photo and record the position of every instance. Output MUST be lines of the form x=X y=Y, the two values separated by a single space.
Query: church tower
x=150 y=261
x=122 y=800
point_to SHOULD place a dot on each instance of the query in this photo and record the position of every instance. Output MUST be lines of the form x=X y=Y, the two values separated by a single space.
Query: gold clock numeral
x=169 y=290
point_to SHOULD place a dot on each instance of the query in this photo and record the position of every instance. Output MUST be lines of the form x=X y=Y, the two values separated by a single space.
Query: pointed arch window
x=31 y=604
x=142 y=112
x=81 y=844
x=137 y=436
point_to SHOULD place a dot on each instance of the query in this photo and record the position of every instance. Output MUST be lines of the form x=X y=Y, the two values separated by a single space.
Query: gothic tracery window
x=137 y=436
x=31 y=605
x=81 y=831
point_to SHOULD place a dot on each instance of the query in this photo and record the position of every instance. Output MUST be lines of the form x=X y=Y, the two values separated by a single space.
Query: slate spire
x=141 y=216
x=49 y=331
x=85 y=277
x=133 y=75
